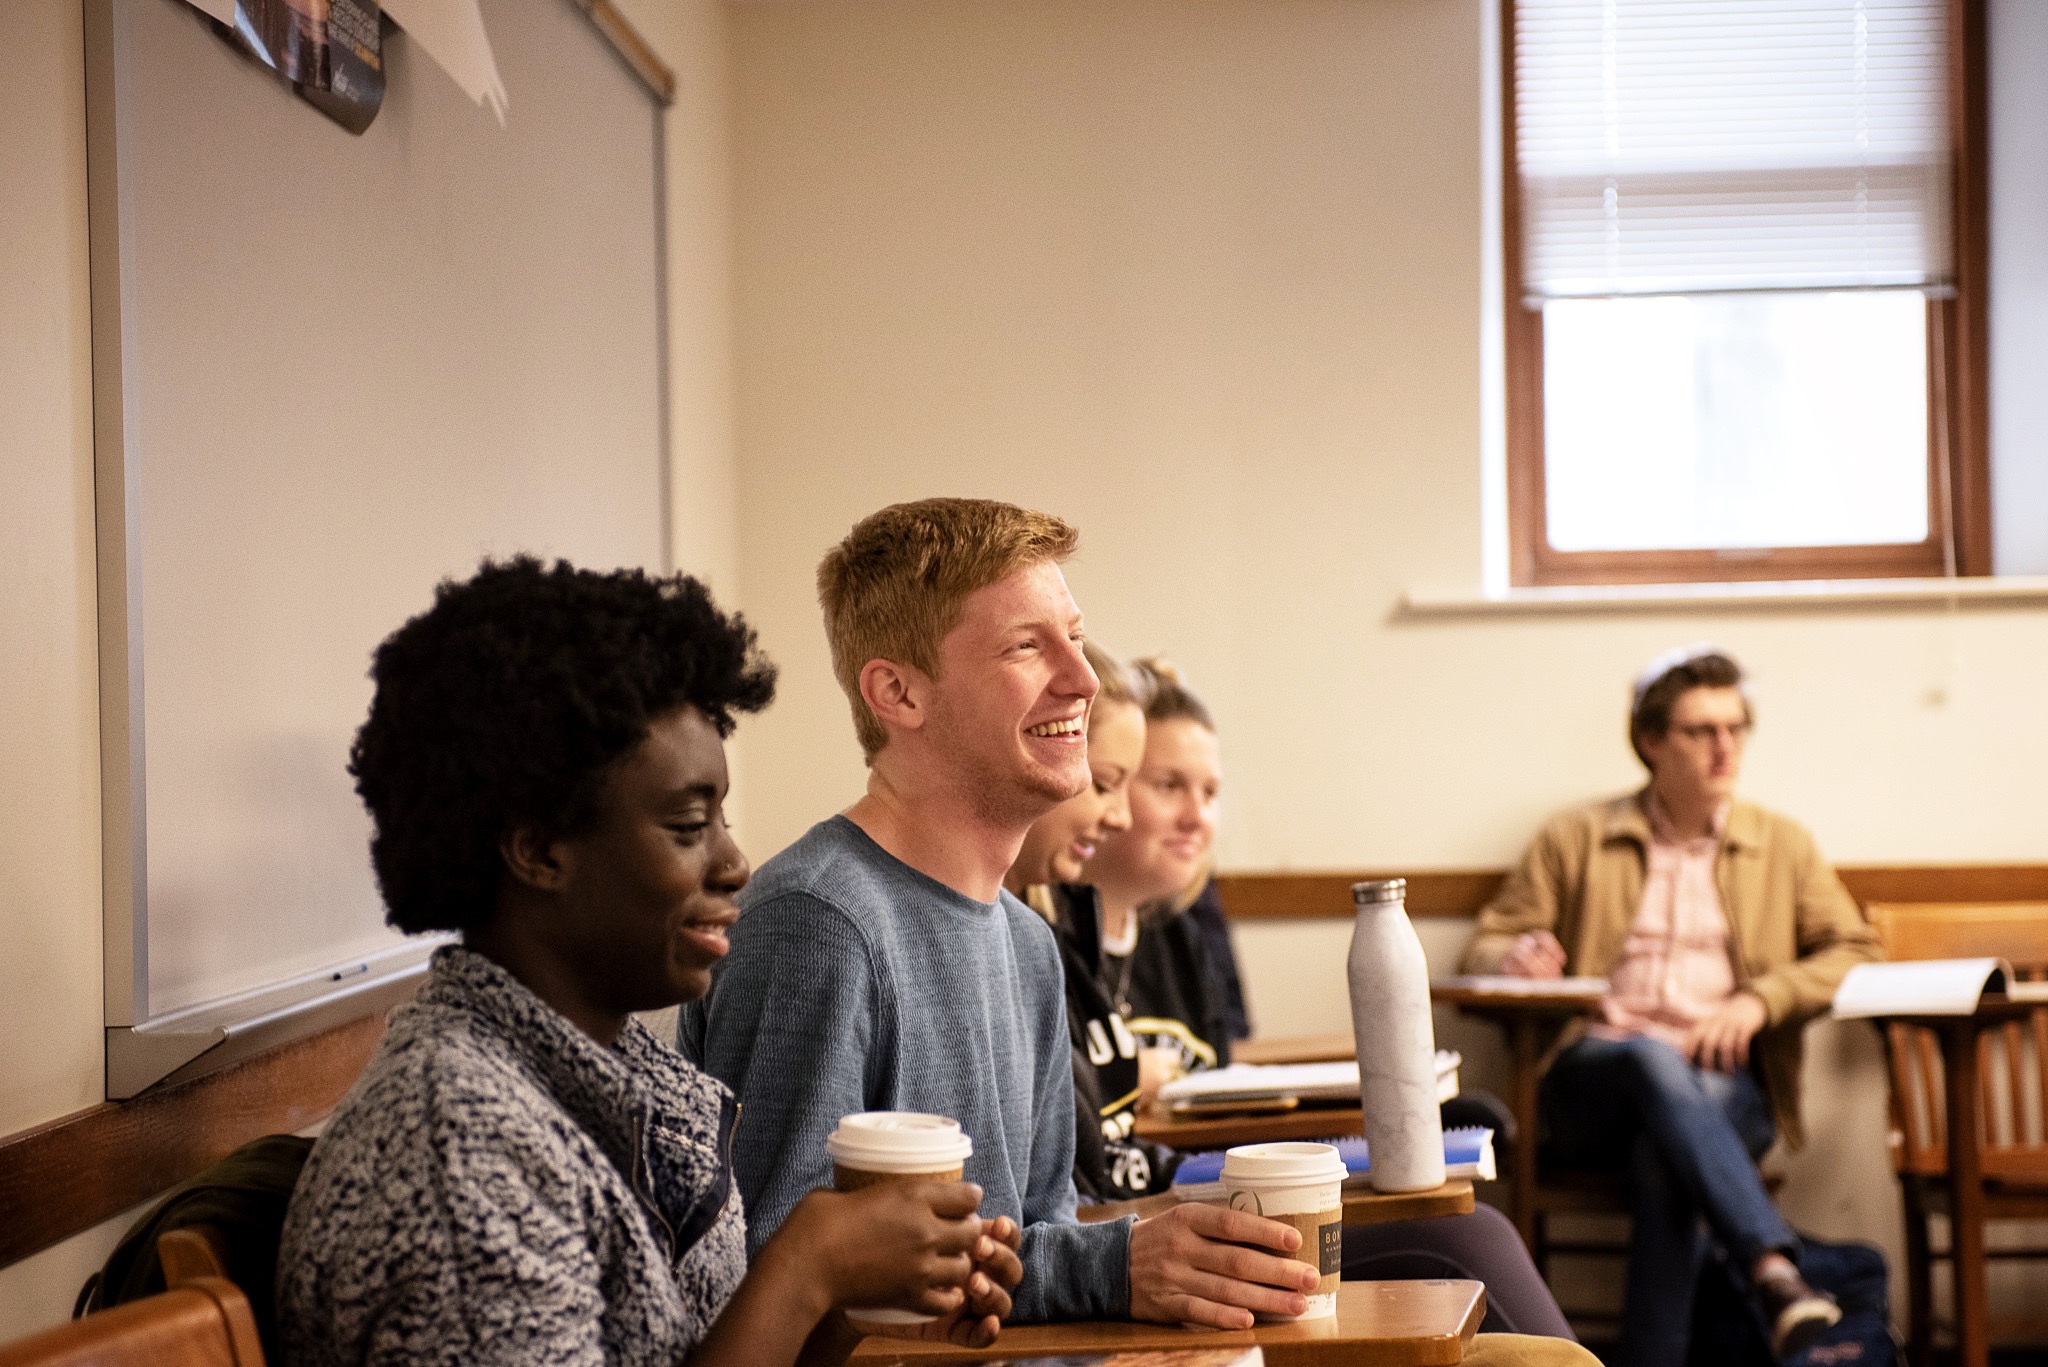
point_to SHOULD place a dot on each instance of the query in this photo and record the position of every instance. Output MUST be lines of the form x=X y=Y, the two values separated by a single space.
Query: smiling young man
x=1721 y=930
x=878 y=964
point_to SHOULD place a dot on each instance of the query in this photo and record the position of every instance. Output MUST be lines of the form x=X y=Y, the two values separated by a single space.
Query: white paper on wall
x=452 y=33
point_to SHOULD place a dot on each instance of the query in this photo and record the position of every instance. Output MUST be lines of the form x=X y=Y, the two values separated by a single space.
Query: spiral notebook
x=1468 y=1152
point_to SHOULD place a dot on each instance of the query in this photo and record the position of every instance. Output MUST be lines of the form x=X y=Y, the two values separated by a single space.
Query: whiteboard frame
x=145 y=1049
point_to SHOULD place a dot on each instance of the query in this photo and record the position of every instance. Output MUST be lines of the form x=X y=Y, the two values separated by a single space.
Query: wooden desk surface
x=1377 y=1324
x=1992 y=1006
x=1526 y=1010
x=1360 y=1207
x=1567 y=996
x=1337 y=1048
x=1257 y=1127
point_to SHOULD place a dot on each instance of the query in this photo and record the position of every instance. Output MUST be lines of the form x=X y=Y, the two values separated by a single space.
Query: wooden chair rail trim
x=1287 y=896
x=64 y=1177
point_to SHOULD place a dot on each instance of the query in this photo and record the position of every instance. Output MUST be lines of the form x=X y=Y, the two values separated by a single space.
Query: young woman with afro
x=524 y=1173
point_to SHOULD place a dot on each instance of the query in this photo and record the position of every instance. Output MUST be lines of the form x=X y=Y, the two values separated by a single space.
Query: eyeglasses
x=1701 y=733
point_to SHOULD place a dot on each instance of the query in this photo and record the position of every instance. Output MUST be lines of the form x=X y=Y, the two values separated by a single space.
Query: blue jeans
x=1689 y=1139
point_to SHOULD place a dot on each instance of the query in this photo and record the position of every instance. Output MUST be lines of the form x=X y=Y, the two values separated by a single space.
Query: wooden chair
x=204 y=1322
x=2012 y=1065
x=189 y=1254
x=1579 y=1193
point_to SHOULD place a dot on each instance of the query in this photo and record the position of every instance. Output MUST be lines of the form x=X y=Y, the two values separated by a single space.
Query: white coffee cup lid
x=899 y=1141
x=1283 y=1164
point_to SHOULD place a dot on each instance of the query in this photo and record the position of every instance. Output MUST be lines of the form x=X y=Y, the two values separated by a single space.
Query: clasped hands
x=918 y=1246
x=1719 y=1043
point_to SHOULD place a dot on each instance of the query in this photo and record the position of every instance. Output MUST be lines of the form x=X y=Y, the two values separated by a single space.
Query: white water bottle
x=1396 y=1041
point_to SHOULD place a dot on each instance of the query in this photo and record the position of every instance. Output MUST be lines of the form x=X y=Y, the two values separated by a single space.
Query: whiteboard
x=336 y=370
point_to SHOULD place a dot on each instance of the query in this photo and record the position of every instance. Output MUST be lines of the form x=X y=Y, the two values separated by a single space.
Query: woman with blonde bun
x=1163 y=931
x=1110 y=1162
x=1150 y=870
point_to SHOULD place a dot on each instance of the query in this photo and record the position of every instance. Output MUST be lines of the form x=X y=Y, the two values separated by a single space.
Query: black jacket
x=1170 y=997
x=1206 y=915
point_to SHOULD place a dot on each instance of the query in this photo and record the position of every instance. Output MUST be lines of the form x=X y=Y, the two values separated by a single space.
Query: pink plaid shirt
x=1674 y=969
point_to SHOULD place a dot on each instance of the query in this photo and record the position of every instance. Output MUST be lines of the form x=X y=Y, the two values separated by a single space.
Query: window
x=1745 y=258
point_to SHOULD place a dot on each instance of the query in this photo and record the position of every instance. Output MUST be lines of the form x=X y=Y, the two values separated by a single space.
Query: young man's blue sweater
x=856 y=983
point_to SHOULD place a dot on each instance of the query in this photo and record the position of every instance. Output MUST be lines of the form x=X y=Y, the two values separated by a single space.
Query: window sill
x=1787 y=595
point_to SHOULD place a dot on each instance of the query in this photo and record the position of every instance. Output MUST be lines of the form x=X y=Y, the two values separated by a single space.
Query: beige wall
x=703 y=517
x=49 y=731
x=1206 y=279
x=50 y=1002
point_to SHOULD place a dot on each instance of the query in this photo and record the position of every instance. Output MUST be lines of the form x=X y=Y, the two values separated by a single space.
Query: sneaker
x=1798 y=1314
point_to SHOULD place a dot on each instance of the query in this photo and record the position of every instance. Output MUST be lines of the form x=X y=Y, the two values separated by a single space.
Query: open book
x=1264 y=1084
x=1928 y=987
x=1468 y=1152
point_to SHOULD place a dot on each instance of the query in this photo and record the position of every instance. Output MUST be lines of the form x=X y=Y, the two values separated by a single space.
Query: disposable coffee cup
x=1300 y=1185
x=895 y=1146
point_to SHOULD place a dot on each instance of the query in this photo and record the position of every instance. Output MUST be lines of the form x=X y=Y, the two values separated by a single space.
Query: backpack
x=1729 y=1331
x=242 y=1199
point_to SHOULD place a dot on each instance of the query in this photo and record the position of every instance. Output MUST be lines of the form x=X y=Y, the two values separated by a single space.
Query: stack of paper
x=1259 y=1083
x=1508 y=986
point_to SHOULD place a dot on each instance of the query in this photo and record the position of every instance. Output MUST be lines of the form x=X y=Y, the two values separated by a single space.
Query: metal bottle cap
x=1380 y=890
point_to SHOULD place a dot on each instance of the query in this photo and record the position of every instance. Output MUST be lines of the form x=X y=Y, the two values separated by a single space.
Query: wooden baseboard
x=63 y=1178
x=1462 y=892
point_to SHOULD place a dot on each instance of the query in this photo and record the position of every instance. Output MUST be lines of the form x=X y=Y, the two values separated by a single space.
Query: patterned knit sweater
x=500 y=1188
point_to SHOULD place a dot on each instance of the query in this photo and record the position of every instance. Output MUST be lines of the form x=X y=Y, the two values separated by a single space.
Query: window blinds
x=1669 y=146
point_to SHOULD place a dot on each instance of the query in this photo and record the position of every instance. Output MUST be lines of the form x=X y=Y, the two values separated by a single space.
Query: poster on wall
x=332 y=51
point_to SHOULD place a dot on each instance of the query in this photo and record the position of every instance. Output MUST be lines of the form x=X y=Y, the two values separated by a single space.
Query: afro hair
x=503 y=705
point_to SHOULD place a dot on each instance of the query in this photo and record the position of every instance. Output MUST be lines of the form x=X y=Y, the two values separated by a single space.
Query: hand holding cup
x=894 y=1150
x=909 y=1245
x=1212 y=1268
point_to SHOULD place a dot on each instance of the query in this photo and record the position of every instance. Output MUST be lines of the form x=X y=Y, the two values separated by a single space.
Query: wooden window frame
x=1958 y=461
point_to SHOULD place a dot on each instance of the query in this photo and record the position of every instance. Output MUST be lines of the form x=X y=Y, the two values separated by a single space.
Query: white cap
x=1665 y=663
x=899 y=1141
x=1283 y=1164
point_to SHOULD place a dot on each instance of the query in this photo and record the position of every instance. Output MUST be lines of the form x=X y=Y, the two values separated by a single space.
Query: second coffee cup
x=1300 y=1185
x=895 y=1146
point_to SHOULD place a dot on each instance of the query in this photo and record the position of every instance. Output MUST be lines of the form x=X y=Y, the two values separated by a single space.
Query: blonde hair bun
x=1161 y=668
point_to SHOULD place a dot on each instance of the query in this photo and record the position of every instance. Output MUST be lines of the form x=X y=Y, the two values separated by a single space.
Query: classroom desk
x=1958 y=1036
x=1334 y=1048
x=1525 y=1013
x=1251 y=1127
x=1377 y=1324
x=1360 y=1207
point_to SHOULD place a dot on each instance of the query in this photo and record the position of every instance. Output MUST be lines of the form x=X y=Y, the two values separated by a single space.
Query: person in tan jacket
x=1721 y=930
